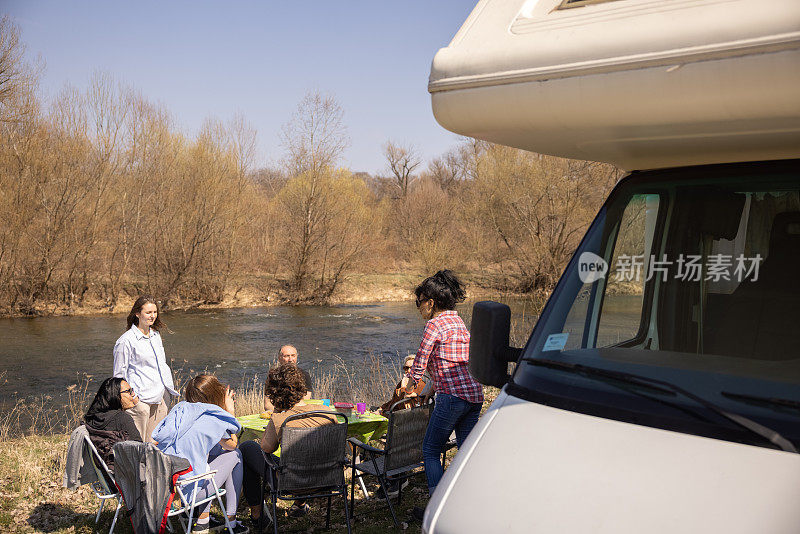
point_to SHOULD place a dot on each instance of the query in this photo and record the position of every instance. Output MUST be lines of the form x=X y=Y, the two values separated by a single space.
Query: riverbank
x=267 y=290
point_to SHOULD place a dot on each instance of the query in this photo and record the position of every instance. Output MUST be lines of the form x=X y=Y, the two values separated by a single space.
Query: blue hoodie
x=191 y=429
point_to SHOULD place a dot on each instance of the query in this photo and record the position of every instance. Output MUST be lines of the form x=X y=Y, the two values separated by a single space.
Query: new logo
x=591 y=267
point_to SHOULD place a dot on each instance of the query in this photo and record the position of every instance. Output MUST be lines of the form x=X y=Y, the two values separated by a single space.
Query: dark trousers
x=255 y=469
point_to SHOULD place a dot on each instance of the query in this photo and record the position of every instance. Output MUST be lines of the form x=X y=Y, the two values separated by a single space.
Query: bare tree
x=537 y=207
x=445 y=171
x=242 y=138
x=18 y=80
x=401 y=160
x=314 y=139
x=315 y=136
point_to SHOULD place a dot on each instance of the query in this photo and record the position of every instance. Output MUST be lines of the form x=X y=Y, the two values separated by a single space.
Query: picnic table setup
x=365 y=426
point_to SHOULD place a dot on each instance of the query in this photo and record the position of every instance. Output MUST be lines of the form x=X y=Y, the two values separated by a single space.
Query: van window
x=703 y=269
x=621 y=312
x=690 y=277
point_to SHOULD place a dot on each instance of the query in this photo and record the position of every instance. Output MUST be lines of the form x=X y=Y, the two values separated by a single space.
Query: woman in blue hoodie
x=203 y=430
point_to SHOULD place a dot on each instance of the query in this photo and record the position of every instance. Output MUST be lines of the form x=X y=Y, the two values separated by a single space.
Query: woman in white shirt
x=139 y=359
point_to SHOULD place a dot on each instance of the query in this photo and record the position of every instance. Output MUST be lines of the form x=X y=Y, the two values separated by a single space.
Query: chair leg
x=346 y=512
x=363 y=488
x=99 y=511
x=275 y=512
x=362 y=485
x=353 y=474
x=328 y=514
x=191 y=509
x=382 y=481
x=353 y=488
x=116 y=513
x=261 y=504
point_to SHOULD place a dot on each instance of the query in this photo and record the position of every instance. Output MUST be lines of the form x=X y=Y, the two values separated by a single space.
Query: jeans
x=449 y=413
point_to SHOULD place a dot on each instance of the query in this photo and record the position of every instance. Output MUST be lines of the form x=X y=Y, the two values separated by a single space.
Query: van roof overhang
x=654 y=95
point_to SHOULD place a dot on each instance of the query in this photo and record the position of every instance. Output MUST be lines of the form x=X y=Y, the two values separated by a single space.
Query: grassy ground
x=33 y=501
x=32 y=466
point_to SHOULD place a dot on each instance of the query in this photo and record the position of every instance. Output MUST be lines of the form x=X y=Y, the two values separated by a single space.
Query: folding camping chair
x=184 y=510
x=311 y=464
x=104 y=487
x=401 y=455
x=152 y=500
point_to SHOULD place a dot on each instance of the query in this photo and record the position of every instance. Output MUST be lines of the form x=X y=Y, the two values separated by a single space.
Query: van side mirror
x=489 y=352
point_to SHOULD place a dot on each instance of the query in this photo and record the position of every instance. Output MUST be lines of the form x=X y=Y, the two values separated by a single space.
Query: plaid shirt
x=444 y=352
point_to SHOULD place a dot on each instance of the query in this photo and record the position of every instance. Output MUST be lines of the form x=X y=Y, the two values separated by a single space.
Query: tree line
x=103 y=197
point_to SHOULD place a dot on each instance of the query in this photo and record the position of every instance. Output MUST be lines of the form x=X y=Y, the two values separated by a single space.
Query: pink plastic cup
x=361 y=407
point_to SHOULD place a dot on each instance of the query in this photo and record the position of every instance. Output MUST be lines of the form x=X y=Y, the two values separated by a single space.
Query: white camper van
x=660 y=389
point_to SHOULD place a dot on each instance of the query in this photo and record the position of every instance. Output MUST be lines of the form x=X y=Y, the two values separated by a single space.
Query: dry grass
x=39 y=417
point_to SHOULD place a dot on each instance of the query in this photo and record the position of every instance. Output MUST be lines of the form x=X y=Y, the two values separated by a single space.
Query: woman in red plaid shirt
x=444 y=352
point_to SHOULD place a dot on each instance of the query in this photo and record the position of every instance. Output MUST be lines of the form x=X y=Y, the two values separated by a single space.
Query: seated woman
x=422 y=389
x=106 y=420
x=203 y=430
x=286 y=388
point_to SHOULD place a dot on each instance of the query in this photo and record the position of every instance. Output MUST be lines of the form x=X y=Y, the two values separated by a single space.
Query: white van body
x=523 y=470
x=643 y=84
x=638 y=83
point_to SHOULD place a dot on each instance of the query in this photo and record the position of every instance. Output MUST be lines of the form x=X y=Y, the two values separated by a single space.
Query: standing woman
x=139 y=359
x=444 y=352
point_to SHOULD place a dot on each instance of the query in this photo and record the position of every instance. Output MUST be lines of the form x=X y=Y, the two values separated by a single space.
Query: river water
x=42 y=357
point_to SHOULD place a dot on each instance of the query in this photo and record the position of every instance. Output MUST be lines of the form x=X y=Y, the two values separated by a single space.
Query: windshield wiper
x=769 y=401
x=661 y=385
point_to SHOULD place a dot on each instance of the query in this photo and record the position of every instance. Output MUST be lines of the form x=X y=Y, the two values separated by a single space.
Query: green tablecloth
x=363 y=427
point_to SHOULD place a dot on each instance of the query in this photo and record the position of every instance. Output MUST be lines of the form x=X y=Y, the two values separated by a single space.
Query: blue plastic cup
x=326 y=402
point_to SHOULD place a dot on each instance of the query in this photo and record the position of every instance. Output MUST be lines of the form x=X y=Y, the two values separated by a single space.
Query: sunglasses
x=419 y=301
x=129 y=390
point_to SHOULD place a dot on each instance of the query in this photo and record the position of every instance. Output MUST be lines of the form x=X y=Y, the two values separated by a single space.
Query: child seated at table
x=286 y=390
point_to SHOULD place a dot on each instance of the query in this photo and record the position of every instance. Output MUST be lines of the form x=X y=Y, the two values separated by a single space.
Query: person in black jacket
x=107 y=422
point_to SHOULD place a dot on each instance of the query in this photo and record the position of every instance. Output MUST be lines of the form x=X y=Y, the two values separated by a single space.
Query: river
x=42 y=357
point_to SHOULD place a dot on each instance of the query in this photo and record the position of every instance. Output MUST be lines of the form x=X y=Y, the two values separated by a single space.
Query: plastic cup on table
x=326 y=402
x=361 y=407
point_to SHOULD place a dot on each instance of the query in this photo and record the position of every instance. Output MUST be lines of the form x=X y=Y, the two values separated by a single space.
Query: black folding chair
x=401 y=455
x=311 y=464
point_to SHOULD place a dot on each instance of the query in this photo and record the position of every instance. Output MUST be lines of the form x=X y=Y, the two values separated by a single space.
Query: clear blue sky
x=203 y=58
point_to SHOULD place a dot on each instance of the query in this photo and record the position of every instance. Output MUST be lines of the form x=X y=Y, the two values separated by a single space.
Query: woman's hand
x=230 y=443
x=229 y=404
x=407 y=385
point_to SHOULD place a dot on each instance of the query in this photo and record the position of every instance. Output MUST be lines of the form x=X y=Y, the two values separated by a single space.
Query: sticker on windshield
x=555 y=342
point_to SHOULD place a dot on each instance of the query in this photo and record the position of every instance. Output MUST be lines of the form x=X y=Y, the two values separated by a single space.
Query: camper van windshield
x=690 y=276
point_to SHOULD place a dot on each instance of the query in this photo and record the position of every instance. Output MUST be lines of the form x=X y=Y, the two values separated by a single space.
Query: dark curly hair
x=444 y=288
x=285 y=386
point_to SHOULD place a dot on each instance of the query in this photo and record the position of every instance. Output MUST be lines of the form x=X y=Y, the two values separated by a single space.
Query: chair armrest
x=369 y=448
x=270 y=460
x=195 y=478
